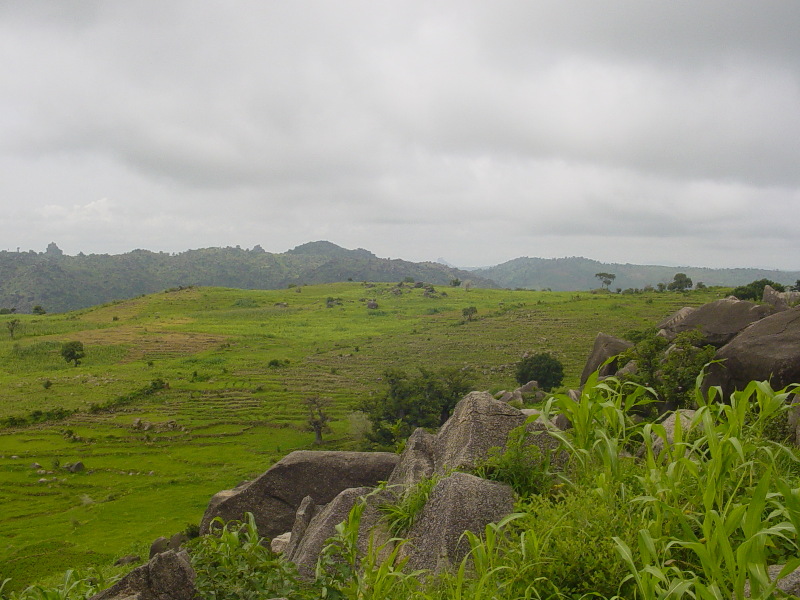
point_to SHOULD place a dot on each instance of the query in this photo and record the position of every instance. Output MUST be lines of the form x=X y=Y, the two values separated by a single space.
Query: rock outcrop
x=719 y=322
x=168 y=576
x=767 y=350
x=275 y=496
x=605 y=346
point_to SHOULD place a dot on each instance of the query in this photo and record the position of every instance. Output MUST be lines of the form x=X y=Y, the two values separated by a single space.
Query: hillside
x=232 y=368
x=577 y=273
x=60 y=283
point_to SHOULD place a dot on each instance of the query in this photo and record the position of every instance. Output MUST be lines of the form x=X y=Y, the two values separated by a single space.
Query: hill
x=60 y=283
x=577 y=273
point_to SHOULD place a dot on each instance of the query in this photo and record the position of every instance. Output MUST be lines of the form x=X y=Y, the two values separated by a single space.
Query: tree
x=544 y=368
x=73 y=352
x=469 y=312
x=411 y=401
x=12 y=325
x=455 y=282
x=755 y=289
x=38 y=310
x=606 y=278
x=317 y=417
x=680 y=283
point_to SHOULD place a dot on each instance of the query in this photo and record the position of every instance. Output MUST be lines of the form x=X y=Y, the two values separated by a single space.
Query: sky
x=635 y=131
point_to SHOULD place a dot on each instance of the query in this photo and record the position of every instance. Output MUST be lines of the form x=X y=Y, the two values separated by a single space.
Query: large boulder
x=478 y=423
x=675 y=318
x=457 y=503
x=767 y=350
x=605 y=346
x=418 y=459
x=168 y=576
x=719 y=322
x=275 y=496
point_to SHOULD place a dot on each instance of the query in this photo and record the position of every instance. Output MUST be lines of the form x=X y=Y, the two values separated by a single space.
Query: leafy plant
x=521 y=464
x=543 y=367
x=402 y=514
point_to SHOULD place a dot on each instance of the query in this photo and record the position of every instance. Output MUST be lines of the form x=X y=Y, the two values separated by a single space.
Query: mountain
x=61 y=283
x=577 y=273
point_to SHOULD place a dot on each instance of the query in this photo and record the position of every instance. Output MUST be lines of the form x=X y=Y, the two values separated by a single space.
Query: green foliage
x=521 y=464
x=606 y=278
x=424 y=400
x=669 y=369
x=73 y=352
x=755 y=289
x=542 y=367
x=469 y=312
x=401 y=514
x=680 y=283
x=233 y=564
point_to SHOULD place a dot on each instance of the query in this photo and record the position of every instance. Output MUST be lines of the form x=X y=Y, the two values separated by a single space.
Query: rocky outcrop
x=767 y=350
x=719 y=322
x=457 y=503
x=780 y=300
x=276 y=495
x=168 y=576
x=605 y=347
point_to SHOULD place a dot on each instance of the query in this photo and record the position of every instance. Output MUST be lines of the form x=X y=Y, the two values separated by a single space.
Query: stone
x=605 y=347
x=275 y=496
x=158 y=546
x=720 y=321
x=478 y=423
x=418 y=459
x=675 y=318
x=177 y=540
x=302 y=518
x=36 y=466
x=789 y=585
x=168 y=576
x=529 y=388
x=458 y=503
x=280 y=542
x=128 y=560
x=669 y=423
x=76 y=467
x=768 y=350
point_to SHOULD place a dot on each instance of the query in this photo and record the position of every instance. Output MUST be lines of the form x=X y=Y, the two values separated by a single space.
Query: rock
x=789 y=585
x=302 y=518
x=418 y=459
x=177 y=540
x=323 y=526
x=128 y=560
x=458 y=503
x=630 y=368
x=478 y=422
x=280 y=542
x=529 y=388
x=158 y=546
x=75 y=467
x=767 y=350
x=779 y=300
x=685 y=416
x=372 y=305
x=275 y=496
x=720 y=321
x=36 y=466
x=605 y=346
x=168 y=576
x=675 y=318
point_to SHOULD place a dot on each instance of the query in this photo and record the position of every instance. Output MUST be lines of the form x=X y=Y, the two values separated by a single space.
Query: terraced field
x=236 y=367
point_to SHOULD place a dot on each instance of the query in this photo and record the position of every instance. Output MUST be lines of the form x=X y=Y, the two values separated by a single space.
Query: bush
x=755 y=289
x=544 y=368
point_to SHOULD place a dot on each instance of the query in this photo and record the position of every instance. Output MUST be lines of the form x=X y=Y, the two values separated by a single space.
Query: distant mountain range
x=60 y=283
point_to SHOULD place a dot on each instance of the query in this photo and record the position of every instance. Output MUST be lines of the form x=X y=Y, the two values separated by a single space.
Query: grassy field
x=237 y=365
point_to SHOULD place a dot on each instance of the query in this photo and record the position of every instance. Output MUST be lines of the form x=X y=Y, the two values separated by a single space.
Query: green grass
x=235 y=415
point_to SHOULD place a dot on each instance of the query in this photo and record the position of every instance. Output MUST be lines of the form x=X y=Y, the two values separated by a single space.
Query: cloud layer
x=628 y=131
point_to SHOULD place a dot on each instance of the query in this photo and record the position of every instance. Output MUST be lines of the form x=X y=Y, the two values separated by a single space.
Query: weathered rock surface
x=675 y=318
x=767 y=350
x=280 y=542
x=605 y=346
x=418 y=459
x=669 y=423
x=302 y=518
x=479 y=422
x=457 y=504
x=720 y=321
x=275 y=496
x=789 y=585
x=168 y=576
x=779 y=300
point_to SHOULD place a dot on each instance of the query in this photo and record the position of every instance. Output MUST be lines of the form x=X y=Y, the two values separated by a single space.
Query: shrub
x=522 y=465
x=401 y=515
x=544 y=368
x=755 y=289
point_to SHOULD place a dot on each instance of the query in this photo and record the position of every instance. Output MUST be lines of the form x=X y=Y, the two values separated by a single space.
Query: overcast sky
x=625 y=131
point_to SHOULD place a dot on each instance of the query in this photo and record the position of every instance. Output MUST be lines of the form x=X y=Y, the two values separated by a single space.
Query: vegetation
x=174 y=399
x=606 y=278
x=544 y=368
x=755 y=289
x=73 y=352
x=680 y=283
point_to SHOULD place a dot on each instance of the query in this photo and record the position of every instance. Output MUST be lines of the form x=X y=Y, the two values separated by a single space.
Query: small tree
x=469 y=312
x=606 y=278
x=12 y=325
x=755 y=289
x=317 y=417
x=38 y=310
x=73 y=352
x=680 y=283
x=544 y=368
x=455 y=282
